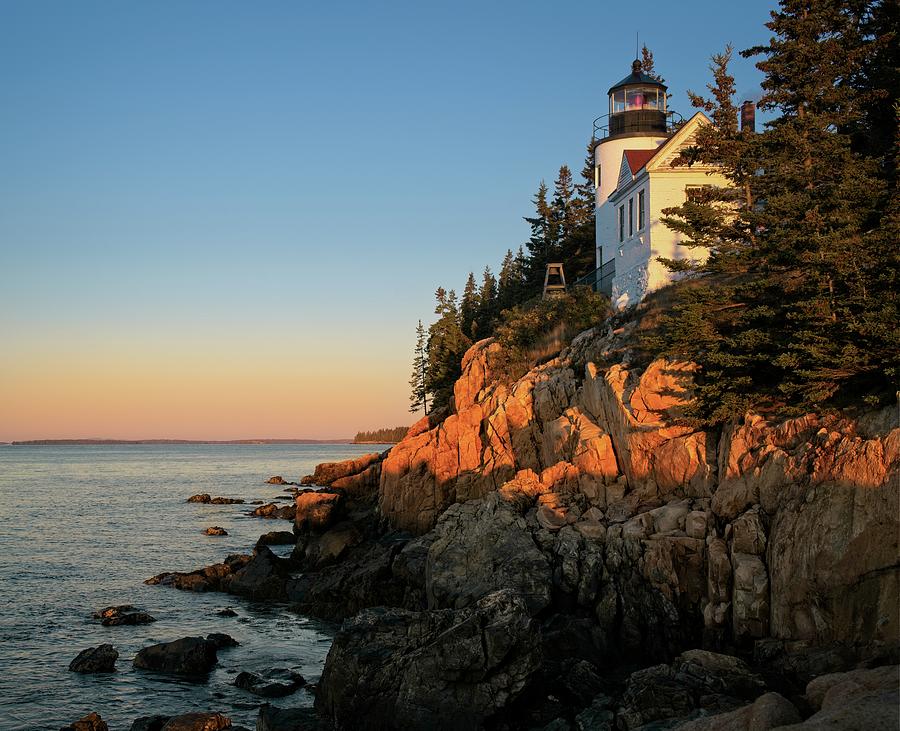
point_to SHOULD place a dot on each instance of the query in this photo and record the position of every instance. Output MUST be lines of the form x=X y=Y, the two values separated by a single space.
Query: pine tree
x=506 y=282
x=541 y=244
x=446 y=345
x=487 y=304
x=419 y=392
x=468 y=307
x=562 y=211
x=803 y=246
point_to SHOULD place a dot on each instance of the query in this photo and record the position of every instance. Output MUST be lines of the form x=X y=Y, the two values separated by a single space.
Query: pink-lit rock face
x=760 y=529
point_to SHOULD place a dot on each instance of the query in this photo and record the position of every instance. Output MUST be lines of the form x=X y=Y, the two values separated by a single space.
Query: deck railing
x=600 y=280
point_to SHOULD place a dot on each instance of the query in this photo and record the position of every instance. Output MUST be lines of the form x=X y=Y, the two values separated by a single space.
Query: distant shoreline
x=109 y=442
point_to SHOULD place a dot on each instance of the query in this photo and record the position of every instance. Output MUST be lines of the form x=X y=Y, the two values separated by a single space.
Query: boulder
x=227 y=612
x=149 y=723
x=276 y=480
x=186 y=656
x=122 y=614
x=215 y=530
x=328 y=472
x=222 y=641
x=766 y=712
x=90 y=722
x=205 y=498
x=396 y=669
x=273 y=511
x=100 y=659
x=697 y=682
x=262 y=577
x=211 y=578
x=316 y=511
x=277 y=538
x=288 y=719
x=198 y=722
x=273 y=684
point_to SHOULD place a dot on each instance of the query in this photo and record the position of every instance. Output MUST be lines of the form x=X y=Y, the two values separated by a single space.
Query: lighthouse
x=637 y=120
x=636 y=144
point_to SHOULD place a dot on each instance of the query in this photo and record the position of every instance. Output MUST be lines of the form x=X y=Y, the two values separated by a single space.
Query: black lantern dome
x=637 y=104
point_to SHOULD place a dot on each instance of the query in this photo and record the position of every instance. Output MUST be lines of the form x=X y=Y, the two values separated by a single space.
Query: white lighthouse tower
x=637 y=120
x=636 y=177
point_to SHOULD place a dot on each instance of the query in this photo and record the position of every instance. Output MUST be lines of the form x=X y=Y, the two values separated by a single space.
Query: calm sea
x=81 y=527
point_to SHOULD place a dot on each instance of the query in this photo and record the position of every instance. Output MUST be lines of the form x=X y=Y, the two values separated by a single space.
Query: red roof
x=638 y=158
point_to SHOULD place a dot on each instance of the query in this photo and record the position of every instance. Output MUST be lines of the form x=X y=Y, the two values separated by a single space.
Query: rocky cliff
x=525 y=560
x=630 y=537
x=785 y=530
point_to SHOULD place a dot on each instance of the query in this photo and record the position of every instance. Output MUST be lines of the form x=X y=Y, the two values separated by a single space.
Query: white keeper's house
x=635 y=146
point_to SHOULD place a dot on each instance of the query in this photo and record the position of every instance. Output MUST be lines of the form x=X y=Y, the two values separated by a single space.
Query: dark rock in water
x=263 y=577
x=272 y=510
x=267 y=686
x=187 y=656
x=209 y=579
x=277 y=480
x=204 y=497
x=149 y=723
x=222 y=640
x=100 y=659
x=227 y=612
x=90 y=722
x=129 y=618
x=114 y=611
x=277 y=538
x=215 y=530
x=256 y=502
x=288 y=719
x=122 y=614
x=198 y=722
x=441 y=669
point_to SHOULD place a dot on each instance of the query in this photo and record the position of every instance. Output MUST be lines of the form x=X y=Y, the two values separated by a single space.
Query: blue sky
x=186 y=179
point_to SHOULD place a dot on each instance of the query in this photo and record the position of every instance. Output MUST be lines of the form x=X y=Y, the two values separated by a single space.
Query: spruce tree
x=468 y=307
x=541 y=244
x=446 y=345
x=487 y=304
x=419 y=391
x=802 y=247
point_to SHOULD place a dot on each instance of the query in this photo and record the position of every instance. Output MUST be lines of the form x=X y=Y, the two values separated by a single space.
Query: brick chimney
x=748 y=117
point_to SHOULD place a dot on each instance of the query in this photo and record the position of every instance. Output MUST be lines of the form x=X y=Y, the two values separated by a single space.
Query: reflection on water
x=82 y=527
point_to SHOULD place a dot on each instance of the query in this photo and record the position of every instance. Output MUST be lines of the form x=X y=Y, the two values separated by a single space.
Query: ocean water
x=81 y=527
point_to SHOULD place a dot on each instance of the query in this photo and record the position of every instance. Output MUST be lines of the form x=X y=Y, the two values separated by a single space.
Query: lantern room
x=637 y=104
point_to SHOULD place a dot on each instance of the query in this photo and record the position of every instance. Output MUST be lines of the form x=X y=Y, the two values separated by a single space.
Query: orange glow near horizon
x=124 y=391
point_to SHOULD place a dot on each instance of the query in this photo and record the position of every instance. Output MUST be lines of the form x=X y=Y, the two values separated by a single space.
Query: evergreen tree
x=419 y=391
x=487 y=304
x=541 y=244
x=507 y=284
x=804 y=246
x=446 y=345
x=468 y=307
x=562 y=211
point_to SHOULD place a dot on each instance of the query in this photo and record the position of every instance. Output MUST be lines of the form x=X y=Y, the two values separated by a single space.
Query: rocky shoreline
x=564 y=552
